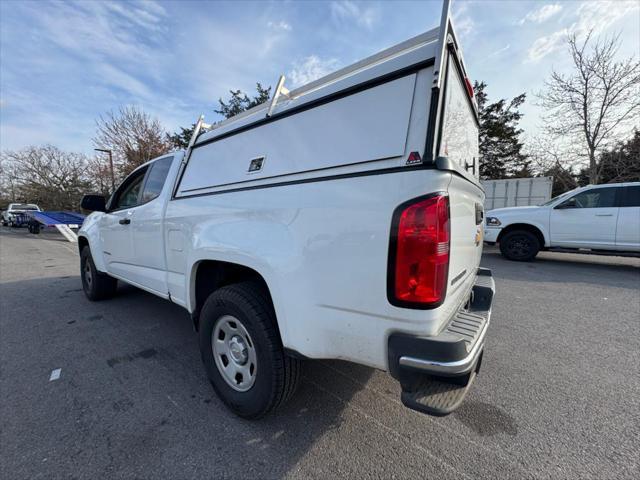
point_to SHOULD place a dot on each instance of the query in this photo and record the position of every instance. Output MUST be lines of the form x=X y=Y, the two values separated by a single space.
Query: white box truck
x=517 y=192
x=341 y=220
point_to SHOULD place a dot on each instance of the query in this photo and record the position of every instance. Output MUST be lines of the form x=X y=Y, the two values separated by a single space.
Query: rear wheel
x=96 y=285
x=242 y=351
x=520 y=246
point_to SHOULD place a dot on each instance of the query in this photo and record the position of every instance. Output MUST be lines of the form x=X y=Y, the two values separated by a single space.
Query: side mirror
x=93 y=203
x=571 y=203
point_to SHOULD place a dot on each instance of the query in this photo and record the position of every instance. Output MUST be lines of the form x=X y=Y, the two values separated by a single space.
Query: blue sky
x=64 y=63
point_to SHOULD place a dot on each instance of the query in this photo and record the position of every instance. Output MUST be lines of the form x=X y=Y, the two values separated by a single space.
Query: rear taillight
x=467 y=84
x=419 y=253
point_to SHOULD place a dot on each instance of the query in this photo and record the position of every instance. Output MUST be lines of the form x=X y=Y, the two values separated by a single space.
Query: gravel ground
x=558 y=395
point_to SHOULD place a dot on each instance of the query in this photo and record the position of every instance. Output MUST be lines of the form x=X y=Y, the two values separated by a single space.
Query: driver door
x=115 y=229
x=586 y=220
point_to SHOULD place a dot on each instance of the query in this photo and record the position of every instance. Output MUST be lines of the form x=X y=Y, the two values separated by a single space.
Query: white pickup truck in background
x=14 y=209
x=596 y=218
x=342 y=220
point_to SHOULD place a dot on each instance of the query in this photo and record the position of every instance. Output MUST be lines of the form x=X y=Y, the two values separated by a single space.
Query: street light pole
x=113 y=178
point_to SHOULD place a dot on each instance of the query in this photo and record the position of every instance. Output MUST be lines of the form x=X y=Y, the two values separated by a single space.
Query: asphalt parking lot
x=558 y=395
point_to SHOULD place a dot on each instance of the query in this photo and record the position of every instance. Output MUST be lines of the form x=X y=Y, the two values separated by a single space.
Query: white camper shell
x=351 y=206
x=366 y=117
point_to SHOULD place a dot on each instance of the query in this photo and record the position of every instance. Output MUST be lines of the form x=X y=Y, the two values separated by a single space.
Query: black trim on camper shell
x=366 y=173
x=272 y=177
x=442 y=163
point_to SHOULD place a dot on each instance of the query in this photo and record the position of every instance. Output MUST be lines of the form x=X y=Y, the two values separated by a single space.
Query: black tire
x=276 y=374
x=96 y=285
x=519 y=246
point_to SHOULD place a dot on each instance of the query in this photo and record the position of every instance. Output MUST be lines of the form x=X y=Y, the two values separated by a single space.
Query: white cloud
x=147 y=15
x=225 y=60
x=541 y=14
x=499 y=51
x=310 y=69
x=281 y=25
x=462 y=22
x=101 y=31
x=590 y=16
x=599 y=16
x=543 y=46
x=348 y=11
x=115 y=77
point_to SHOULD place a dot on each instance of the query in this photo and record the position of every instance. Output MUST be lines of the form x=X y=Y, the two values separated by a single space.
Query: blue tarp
x=50 y=219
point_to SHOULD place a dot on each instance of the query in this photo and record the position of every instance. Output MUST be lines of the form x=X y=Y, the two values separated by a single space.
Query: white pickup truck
x=602 y=219
x=341 y=220
x=11 y=214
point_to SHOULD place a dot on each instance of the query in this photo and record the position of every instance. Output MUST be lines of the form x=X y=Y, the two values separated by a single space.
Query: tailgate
x=459 y=145
x=465 y=201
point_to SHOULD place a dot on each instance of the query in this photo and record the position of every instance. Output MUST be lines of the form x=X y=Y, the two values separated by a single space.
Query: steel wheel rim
x=234 y=353
x=87 y=273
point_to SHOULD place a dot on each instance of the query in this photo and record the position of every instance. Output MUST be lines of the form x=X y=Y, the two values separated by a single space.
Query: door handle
x=604 y=214
x=124 y=221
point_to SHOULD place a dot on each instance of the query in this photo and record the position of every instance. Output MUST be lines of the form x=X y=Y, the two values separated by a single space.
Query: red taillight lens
x=467 y=83
x=420 y=250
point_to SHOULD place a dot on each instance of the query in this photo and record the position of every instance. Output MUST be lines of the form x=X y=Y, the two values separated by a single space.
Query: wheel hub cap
x=87 y=273
x=238 y=350
x=234 y=353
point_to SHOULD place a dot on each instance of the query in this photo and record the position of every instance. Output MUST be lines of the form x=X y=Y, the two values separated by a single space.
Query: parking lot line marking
x=55 y=374
x=172 y=401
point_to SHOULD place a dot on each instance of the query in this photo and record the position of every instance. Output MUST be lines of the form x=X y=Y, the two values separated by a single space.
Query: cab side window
x=630 y=197
x=128 y=193
x=596 y=198
x=156 y=178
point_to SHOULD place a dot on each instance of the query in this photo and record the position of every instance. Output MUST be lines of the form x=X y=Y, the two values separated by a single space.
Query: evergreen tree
x=500 y=144
x=240 y=101
x=180 y=140
x=237 y=103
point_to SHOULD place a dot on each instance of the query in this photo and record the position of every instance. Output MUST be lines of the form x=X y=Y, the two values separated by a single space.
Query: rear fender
x=231 y=244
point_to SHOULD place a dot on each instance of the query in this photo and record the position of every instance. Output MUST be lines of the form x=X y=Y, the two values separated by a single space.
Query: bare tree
x=100 y=175
x=47 y=176
x=550 y=157
x=598 y=102
x=133 y=136
x=619 y=164
x=9 y=191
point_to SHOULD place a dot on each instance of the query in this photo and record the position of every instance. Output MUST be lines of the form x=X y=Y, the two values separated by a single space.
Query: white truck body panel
x=628 y=229
x=322 y=249
x=517 y=192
